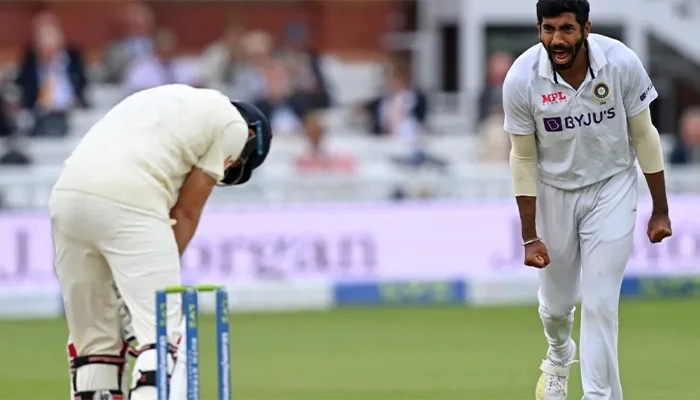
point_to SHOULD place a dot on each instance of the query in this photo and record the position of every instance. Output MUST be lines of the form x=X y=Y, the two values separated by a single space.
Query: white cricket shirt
x=582 y=135
x=142 y=150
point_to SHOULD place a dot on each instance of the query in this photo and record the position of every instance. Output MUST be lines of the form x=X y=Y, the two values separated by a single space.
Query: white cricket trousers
x=588 y=233
x=99 y=243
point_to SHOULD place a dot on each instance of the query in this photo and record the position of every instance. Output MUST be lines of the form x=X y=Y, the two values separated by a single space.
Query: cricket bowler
x=577 y=111
x=123 y=211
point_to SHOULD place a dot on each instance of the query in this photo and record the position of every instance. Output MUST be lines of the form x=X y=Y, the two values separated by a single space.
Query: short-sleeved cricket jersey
x=582 y=135
x=142 y=150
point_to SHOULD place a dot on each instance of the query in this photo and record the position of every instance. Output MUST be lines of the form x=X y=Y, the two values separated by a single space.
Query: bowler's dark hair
x=555 y=8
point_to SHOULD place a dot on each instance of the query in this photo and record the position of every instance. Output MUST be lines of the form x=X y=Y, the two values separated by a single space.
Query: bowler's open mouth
x=561 y=56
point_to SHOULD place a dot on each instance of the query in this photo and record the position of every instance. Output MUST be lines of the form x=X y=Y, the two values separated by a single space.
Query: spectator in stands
x=309 y=91
x=224 y=58
x=251 y=83
x=497 y=67
x=161 y=68
x=266 y=83
x=495 y=146
x=687 y=148
x=320 y=159
x=402 y=111
x=52 y=79
x=138 y=24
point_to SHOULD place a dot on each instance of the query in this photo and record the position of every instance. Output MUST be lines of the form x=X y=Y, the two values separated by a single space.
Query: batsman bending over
x=125 y=208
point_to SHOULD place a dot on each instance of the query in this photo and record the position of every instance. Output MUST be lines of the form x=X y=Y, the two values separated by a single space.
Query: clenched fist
x=659 y=227
x=536 y=255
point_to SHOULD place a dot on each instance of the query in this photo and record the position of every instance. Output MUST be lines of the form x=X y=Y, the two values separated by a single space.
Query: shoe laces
x=557 y=383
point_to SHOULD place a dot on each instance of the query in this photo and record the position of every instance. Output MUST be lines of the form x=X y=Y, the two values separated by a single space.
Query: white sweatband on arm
x=646 y=141
x=523 y=164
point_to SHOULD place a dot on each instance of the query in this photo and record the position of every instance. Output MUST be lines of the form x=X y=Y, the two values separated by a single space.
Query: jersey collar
x=595 y=54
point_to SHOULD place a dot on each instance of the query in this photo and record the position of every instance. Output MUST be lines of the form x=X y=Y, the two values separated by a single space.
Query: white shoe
x=554 y=381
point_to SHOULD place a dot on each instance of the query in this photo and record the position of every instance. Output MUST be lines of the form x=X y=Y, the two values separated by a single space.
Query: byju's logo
x=558 y=124
x=553 y=124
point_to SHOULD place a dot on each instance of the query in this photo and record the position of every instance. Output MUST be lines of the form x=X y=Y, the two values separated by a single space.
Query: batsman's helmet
x=256 y=148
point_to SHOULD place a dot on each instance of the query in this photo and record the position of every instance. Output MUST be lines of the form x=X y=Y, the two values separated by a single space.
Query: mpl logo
x=553 y=98
x=558 y=124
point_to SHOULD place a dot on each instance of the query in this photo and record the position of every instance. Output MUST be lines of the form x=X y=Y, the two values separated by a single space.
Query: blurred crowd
x=284 y=79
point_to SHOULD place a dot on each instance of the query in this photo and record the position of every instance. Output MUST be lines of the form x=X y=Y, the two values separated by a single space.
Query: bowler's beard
x=573 y=50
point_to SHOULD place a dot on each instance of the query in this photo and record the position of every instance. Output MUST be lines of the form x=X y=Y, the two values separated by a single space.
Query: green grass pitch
x=400 y=353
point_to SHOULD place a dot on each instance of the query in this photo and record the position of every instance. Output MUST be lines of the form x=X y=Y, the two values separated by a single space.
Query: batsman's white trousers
x=99 y=242
x=588 y=233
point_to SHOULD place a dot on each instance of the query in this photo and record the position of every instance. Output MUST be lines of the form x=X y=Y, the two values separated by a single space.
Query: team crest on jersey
x=601 y=92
